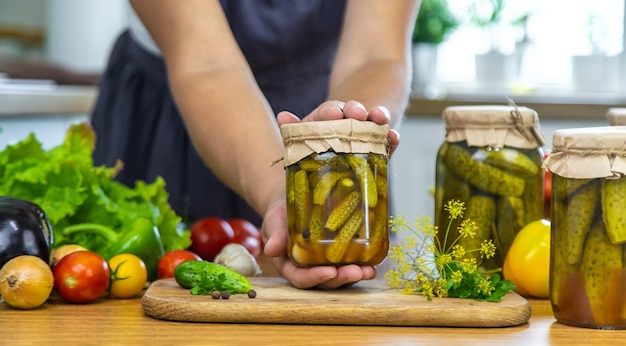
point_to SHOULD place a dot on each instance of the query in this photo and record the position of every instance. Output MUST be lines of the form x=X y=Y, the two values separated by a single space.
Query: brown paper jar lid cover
x=588 y=152
x=616 y=116
x=493 y=125
x=342 y=136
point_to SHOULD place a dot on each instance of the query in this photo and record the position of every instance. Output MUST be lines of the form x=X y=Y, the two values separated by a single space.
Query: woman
x=192 y=89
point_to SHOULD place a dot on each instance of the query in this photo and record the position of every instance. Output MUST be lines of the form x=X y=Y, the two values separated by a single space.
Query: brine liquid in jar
x=588 y=227
x=337 y=209
x=337 y=192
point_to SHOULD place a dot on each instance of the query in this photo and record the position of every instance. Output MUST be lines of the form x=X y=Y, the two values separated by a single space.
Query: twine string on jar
x=518 y=122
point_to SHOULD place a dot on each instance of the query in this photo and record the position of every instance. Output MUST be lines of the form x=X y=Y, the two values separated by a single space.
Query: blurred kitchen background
x=563 y=58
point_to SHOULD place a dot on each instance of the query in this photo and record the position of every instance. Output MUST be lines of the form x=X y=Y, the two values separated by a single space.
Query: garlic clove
x=238 y=258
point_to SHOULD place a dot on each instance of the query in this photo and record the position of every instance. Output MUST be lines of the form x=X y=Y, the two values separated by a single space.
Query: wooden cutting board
x=366 y=303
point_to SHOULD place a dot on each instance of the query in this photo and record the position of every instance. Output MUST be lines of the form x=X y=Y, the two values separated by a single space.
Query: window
x=545 y=44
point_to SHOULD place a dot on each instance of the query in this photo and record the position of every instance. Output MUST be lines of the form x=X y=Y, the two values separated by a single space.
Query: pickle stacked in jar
x=502 y=189
x=588 y=281
x=337 y=209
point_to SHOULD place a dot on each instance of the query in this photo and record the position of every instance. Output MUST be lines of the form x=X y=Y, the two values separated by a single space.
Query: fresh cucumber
x=204 y=277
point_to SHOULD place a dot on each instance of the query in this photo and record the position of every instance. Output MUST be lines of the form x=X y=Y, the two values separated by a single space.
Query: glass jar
x=337 y=192
x=588 y=231
x=491 y=161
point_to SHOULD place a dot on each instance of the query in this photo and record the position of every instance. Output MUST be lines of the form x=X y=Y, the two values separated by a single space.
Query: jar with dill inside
x=491 y=160
x=337 y=192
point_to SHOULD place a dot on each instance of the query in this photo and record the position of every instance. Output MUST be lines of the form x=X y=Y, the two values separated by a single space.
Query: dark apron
x=290 y=45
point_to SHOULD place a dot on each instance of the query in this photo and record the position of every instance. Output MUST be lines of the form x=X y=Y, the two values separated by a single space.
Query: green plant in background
x=428 y=267
x=486 y=13
x=434 y=22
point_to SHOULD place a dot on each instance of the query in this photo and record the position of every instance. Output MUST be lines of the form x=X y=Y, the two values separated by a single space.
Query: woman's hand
x=325 y=277
x=335 y=110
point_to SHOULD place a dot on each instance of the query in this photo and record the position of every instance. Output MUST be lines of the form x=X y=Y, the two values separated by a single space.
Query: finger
x=347 y=275
x=394 y=141
x=380 y=115
x=369 y=273
x=355 y=110
x=304 y=278
x=285 y=117
x=329 y=110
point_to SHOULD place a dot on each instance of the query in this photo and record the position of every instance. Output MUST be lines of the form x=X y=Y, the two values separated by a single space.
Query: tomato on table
x=81 y=277
x=248 y=235
x=209 y=235
x=171 y=260
x=128 y=275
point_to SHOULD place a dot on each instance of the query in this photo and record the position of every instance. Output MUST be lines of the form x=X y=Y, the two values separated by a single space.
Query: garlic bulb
x=237 y=257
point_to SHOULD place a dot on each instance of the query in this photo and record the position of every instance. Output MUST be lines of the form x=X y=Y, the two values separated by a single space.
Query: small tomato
x=209 y=235
x=81 y=277
x=527 y=264
x=171 y=260
x=128 y=275
x=248 y=235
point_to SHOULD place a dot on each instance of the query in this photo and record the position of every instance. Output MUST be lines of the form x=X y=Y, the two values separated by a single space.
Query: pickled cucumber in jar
x=337 y=201
x=508 y=181
x=338 y=209
x=588 y=254
x=491 y=160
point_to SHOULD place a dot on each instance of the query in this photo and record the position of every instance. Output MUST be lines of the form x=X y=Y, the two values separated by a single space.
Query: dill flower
x=432 y=267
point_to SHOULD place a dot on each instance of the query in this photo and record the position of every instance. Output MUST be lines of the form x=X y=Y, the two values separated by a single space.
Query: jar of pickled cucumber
x=337 y=192
x=491 y=161
x=588 y=231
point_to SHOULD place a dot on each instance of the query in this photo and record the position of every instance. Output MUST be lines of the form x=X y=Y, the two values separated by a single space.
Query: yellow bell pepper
x=527 y=264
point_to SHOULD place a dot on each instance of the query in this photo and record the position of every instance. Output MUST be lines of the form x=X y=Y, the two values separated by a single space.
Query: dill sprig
x=433 y=268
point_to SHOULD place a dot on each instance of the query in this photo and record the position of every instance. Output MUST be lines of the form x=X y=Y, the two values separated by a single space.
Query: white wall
x=80 y=33
x=49 y=129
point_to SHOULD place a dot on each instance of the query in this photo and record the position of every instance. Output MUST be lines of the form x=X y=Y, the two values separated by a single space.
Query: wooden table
x=123 y=322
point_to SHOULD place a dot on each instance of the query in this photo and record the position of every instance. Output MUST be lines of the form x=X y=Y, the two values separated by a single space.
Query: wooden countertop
x=123 y=322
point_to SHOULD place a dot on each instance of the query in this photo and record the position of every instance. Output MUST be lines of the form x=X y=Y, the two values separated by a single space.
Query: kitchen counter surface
x=123 y=322
x=41 y=98
x=563 y=105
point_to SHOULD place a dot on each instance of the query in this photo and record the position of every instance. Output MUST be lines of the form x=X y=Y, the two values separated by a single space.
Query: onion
x=26 y=282
x=62 y=251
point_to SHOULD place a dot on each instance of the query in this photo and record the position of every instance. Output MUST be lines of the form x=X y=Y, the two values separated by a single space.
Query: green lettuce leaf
x=67 y=186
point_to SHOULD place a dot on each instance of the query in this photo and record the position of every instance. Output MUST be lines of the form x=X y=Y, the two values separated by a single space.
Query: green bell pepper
x=139 y=237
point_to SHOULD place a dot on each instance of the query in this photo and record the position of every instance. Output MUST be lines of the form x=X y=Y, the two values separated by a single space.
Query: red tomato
x=172 y=259
x=547 y=191
x=81 y=277
x=547 y=186
x=209 y=235
x=248 y=235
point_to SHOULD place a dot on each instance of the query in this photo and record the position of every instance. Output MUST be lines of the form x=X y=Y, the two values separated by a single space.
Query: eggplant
x=24 y=230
